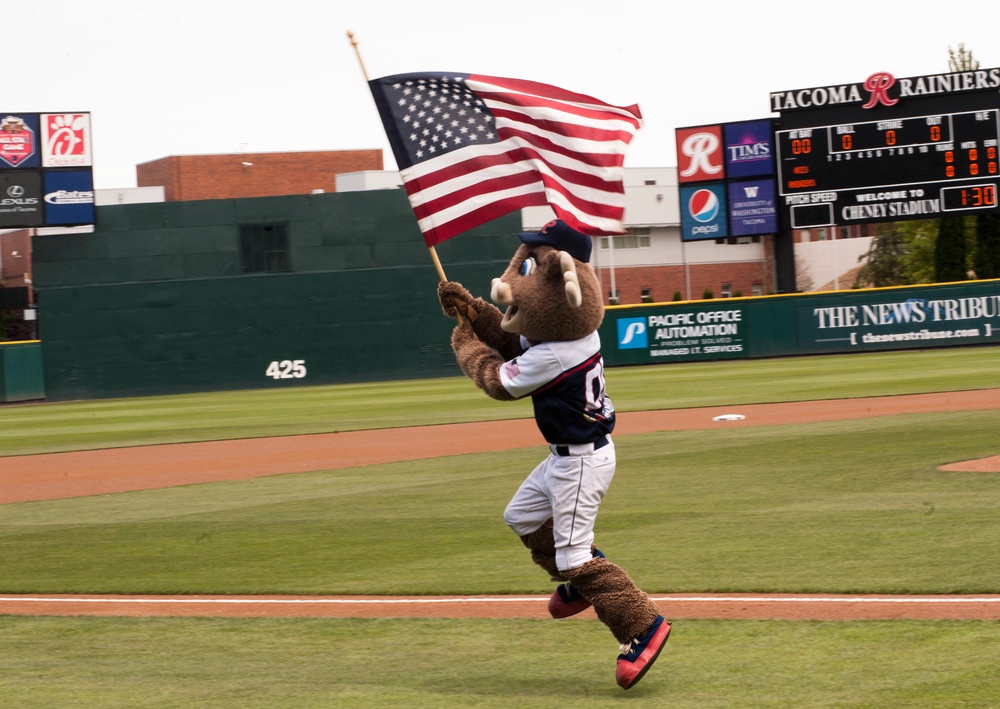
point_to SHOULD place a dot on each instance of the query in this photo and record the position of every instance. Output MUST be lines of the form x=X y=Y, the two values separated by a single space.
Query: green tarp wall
x=21 y=374
x=154 y=301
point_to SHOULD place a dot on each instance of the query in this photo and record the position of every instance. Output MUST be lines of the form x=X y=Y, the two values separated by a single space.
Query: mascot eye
x=527 y=266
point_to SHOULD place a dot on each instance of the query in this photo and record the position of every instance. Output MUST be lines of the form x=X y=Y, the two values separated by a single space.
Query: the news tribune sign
x=46 y=170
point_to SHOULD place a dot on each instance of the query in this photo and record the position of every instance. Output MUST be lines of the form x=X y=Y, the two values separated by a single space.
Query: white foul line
x=505 y=599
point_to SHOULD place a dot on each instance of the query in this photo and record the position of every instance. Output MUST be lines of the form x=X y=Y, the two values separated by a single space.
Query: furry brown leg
x=543 y=549
x=620 y=605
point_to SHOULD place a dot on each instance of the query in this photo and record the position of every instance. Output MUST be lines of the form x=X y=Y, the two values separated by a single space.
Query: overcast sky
x=199 y=77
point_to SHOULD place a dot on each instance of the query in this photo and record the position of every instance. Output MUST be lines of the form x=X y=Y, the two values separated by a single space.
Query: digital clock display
x=969 y=197
x=885 y=168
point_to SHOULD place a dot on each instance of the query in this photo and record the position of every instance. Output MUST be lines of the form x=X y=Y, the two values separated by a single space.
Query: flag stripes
x=471 y=148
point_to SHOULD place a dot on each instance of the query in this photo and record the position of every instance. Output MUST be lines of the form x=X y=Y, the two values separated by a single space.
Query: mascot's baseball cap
x=560 y=235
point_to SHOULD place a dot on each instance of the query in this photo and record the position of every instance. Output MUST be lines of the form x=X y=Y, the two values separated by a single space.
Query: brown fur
x=543 y=549
x=627 y=611
x=541 y=297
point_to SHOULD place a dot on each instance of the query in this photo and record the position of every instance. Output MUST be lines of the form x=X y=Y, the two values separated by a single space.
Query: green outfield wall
x=158 y=300
x=155 y=300
x=21 y=373
x=946 y=315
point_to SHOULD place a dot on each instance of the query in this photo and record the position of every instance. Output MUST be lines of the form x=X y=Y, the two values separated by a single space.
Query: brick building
x=243 y=175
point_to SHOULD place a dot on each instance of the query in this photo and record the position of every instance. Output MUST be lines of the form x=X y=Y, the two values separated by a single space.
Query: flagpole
x=434 y=256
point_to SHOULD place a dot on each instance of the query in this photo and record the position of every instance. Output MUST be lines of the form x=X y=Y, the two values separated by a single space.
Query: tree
x=950 y=253
x=951 y=258
x=900 y=254
x=961 y=59
x=986 y=252
x=986 y=258
x=883 y=263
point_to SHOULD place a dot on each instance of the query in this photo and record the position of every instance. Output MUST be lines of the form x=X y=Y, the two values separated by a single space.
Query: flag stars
x=439 y=115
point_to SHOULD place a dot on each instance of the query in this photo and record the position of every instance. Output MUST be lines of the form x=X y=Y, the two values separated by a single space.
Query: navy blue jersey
x=566 y=383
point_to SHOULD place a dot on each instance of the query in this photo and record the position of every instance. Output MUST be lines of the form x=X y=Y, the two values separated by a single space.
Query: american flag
x=471 y=148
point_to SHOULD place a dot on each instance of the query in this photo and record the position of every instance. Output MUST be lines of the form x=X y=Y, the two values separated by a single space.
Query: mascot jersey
x=565 y=380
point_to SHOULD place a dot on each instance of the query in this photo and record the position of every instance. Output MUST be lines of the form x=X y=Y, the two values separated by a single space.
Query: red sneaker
x=567 y=601
x=640 y=654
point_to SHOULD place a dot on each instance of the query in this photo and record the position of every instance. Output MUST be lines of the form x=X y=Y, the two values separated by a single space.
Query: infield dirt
x=62 y=475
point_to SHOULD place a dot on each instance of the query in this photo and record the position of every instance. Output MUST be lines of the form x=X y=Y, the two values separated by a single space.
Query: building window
x=264 y=248
x=757 y=288
x=636 y=238
x=727 y=290
x=647 y=295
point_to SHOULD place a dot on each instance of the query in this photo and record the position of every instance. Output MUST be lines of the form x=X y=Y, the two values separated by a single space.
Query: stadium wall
x=911 y=317
x=155 y=300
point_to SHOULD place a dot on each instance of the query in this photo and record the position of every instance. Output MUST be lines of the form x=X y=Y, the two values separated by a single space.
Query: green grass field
x=849 y=507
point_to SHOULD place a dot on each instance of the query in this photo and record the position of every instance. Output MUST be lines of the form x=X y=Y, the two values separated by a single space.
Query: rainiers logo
x=700 y=154
x=66 y=140
x=17 y=141
x=632 y=334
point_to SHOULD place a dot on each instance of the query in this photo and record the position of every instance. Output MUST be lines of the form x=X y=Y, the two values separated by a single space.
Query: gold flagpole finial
x=354 y=43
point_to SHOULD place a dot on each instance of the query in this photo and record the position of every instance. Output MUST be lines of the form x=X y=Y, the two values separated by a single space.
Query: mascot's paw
x=462 y=335
x=455 y=300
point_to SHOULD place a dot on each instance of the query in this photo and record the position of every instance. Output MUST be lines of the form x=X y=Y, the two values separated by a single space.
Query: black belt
x=581 y=448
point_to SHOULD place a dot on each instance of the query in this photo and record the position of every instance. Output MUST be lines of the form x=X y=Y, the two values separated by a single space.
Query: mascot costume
x=546 y=346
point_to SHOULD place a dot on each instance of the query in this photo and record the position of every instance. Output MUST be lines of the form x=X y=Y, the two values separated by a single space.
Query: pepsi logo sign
x=703 y=205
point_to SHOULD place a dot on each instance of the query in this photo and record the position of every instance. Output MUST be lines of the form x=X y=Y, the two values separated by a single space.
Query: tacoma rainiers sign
x=46 y=170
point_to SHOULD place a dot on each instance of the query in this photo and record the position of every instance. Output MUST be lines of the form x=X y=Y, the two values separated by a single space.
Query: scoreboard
x=921 y=157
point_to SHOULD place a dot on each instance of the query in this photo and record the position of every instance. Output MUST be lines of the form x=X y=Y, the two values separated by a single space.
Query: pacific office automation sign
x=46 y=170
x=678 y=334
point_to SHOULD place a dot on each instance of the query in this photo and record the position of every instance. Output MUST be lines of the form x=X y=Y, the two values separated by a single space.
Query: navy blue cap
x=560 y=235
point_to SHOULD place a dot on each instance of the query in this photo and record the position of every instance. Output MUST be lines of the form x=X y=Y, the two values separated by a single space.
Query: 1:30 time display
x=969 y=197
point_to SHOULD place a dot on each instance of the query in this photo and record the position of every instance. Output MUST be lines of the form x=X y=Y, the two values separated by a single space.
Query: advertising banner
x=700 y=155
x=726 y=180
x=46 y=170
x=21 y=199
x=696 y=332
x=899 y=322
x=748 y=149
x=912 y=317
x=752 y=207
x=19 y=140
x=66 y=140
x=69 y=197
x=703 y=212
